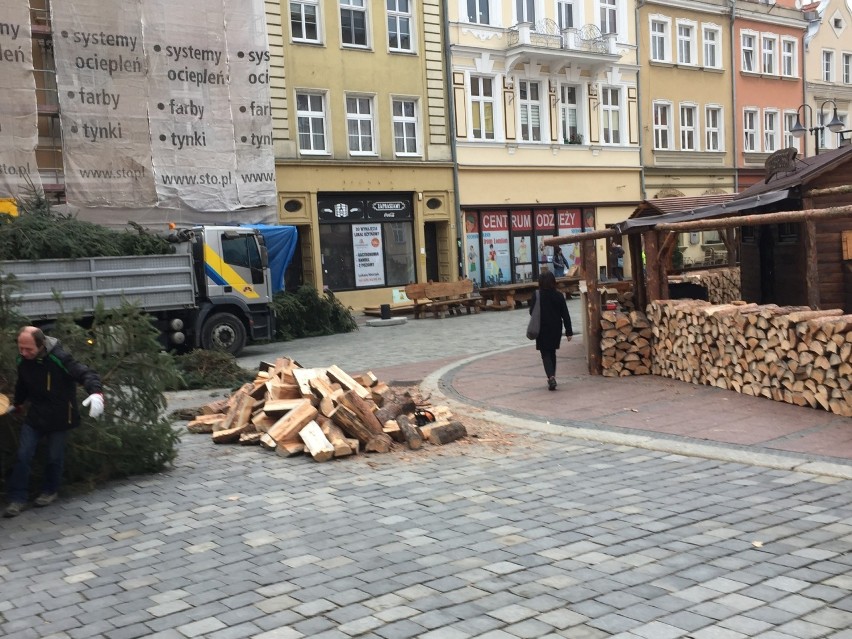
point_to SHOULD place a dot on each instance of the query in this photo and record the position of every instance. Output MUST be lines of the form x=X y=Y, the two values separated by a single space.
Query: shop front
x=506 y=246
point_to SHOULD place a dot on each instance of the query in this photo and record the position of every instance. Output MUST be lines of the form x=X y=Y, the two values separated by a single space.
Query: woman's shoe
x=551 y=383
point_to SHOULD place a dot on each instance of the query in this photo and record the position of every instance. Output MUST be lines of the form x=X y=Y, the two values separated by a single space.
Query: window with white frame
x=685 y=43
x=750 y=130
x=712 y=43
x=770 y=131
x=353 y=22
x=611 y=115
x=847 y=68
x=399 y=25
x=405 y=126
x=565 y=14
x=790 y=140
x=478 y=11
x=769 y=48
x=688 y=116
x=525 y=11
x=828 y=65
x=662 y=125
x=359 y=125
x=569 y=114
x=482 y=107
x=747 y=47
x=789 y=66
x=310 y=117
x=713 y=128
x=304 y=20
x=529 y=101
x=609 y=16
x=660 y=40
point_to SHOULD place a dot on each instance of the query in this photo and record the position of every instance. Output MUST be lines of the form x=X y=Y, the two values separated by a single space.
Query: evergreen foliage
x=134 y=435
x=307 y=314
x=38 y=233
x=200 y=369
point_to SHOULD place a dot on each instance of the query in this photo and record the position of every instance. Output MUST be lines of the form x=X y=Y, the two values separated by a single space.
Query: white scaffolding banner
x=248 y=55
x=101 y=79
x=166 y=107
x=18 y=110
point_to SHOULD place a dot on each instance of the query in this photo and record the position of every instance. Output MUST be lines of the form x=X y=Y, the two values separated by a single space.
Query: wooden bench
x=440 y=298
x=508 y=296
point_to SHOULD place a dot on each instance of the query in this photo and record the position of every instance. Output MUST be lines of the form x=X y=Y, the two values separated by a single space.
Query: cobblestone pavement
x=529 y=532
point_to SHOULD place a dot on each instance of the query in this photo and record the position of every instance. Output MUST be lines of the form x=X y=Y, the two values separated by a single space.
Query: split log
x=395 y=406
x=250 y=439
x=335 y=373
x=287 y=428
x=335 y=435
x=363 y=409
x=440 y=435
x=351 y=424
x=281 y=405
x=316 y=442
x=231 y=435
x=288 y=449
x=213 y=408
x=413 y=439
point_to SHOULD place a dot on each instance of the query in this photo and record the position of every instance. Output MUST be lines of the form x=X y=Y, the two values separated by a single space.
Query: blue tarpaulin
x=280 y=244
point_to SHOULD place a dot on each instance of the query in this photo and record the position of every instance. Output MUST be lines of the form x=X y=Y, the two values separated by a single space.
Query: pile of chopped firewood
x=625 y=343
x=324 y=412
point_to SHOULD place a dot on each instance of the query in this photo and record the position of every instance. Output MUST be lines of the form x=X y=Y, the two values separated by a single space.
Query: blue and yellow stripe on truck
x=224 y=275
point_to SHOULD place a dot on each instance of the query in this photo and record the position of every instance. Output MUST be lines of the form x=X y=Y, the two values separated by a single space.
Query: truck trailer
x=214 y=292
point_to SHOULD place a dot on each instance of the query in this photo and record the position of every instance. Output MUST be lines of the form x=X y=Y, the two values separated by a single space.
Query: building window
x=609 y=16
x=405 y=127
x=525 y=10
x=482 y=107
x=748 y=52
x=847 y=68
x=359 y=125
x=790 y=140
x=687 y=127
x=662 y=125
x=713 y=129
x=712 y=39
x=530 y=104
x=769 y=55
x=611 y=115
x=750 y=130
x=569 y=115
x=685 y=44
x=788 y=58
x=310 y=113
x=477 y=11
x=828 y=66
x=353 y=22
x=399 y=25
x=565 y=14
x=304 y=22
x=770 y=131
x=660 y=40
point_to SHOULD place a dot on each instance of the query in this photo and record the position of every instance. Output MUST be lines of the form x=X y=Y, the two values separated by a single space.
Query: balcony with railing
x=544 y=41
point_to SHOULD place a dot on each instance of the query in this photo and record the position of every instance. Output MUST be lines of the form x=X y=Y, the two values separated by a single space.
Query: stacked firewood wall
x=722 y=284
x=790 y=354
x=625 y=343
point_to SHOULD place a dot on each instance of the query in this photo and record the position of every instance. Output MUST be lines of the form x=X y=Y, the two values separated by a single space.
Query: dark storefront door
x=430 y=233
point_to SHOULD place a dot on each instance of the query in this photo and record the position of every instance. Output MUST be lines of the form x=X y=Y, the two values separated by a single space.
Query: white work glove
x=95 y=403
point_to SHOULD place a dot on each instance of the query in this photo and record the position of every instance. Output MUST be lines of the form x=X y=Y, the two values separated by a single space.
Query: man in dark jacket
x=47 y=380
x=554 y=314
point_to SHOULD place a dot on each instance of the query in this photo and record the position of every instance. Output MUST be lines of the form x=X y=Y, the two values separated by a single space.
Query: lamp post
x=835 y=126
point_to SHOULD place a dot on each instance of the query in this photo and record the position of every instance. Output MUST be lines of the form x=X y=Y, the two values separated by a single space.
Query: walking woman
x=554 y=314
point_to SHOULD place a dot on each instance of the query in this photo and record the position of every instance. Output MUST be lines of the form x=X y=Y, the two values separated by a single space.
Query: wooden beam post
x=637 y=270
x=652 y=265
x=593 y=307
x=811 y=265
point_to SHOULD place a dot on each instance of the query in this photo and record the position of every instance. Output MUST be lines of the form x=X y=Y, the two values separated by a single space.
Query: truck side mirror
x=264 y=256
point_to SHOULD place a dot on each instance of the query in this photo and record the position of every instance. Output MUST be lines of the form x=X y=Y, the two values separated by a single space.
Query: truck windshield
x=241 y=251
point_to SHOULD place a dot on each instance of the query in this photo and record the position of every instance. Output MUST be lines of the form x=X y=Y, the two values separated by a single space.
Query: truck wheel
x=223 y=332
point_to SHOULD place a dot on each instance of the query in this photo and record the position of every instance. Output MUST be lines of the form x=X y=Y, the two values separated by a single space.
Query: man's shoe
x=551 y=383
x=45 y=499
x=13 y=509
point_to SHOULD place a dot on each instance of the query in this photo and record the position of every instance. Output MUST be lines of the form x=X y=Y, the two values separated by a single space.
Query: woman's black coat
x=554 y=315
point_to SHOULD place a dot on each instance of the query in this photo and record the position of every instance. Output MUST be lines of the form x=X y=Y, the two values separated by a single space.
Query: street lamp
x=835 y=126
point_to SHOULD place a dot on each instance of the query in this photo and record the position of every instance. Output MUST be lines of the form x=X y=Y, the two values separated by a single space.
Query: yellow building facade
x=545 y=115
x=364 y=162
